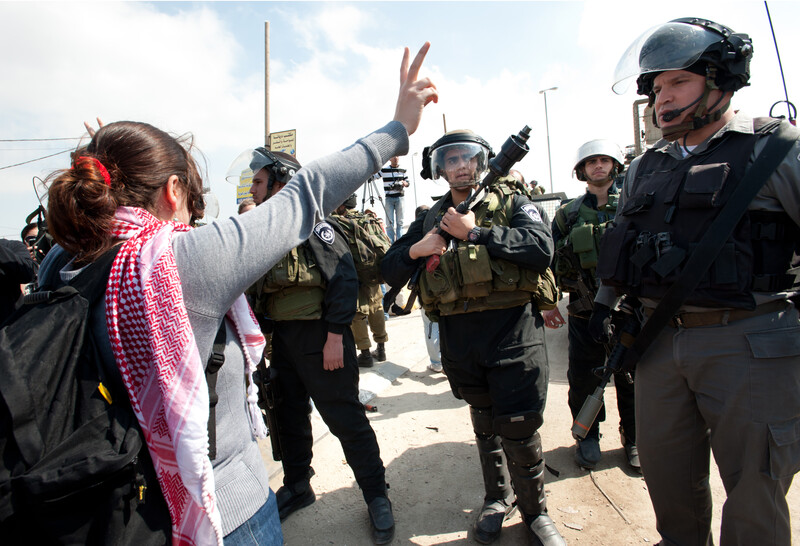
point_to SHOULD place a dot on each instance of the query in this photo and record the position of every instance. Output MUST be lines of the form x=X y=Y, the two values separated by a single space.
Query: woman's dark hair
x=139 y=159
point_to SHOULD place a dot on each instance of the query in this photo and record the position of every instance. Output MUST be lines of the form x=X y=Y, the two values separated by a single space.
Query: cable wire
x=37 y=159
x=38 y=139
x=780 y=64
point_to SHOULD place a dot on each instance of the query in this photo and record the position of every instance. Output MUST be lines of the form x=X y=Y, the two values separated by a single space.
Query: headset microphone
x=672 y=114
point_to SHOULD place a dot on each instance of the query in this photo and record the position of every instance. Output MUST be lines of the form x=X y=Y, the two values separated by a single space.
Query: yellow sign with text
x=284 y=141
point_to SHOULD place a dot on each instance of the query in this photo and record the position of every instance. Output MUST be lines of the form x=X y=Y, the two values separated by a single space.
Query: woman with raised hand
x=171 y=287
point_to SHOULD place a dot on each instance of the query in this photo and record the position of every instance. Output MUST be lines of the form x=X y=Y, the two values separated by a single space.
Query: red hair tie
x=100 y=167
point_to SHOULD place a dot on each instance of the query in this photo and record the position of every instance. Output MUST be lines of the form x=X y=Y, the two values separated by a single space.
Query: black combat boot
x=526 y=466
x=498 y=503
x=365 y=359
x=294 y=496
x=631 y=451
x=381 y=520
x=380 y=353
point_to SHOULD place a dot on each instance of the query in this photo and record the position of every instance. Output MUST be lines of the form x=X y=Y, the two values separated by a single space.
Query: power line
x=37 y=159
x=38 y=139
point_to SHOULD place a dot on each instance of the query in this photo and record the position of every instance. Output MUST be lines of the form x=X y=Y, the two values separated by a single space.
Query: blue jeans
x=394 y=217
x=262 y=529
x=431 y=338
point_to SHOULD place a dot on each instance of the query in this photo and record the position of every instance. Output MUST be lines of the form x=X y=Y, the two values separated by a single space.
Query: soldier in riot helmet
x=491 y=334
x=311 y=306
x=367 y=238
x=723 y=371
x=577 y=228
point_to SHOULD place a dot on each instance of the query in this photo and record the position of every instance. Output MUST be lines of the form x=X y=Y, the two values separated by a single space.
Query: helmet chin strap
x=466 y=184
x=699 y=118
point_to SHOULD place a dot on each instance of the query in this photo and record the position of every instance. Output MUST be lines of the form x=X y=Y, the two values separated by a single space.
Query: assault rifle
x=628 y=330
x=512 y=151
x=264 y=377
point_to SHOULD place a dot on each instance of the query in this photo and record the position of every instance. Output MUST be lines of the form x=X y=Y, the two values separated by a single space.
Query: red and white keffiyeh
x=156 y=353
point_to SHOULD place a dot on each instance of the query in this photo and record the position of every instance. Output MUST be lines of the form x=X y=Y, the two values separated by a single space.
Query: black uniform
x=297 y=347
x=495 y=359
x=16 y=267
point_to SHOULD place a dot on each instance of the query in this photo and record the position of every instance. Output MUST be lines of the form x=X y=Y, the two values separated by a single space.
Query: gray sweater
x=217 y=262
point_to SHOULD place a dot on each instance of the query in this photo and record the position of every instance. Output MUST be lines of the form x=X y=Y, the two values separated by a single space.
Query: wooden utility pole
x=266 y=84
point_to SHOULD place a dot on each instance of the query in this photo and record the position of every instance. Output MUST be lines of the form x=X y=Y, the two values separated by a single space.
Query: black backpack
x=74 y=468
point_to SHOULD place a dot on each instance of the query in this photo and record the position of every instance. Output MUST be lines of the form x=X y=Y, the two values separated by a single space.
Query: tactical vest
x=581 y=227
x=367 y=241
x=674 y=204
x=468 y=280
x=294 y=289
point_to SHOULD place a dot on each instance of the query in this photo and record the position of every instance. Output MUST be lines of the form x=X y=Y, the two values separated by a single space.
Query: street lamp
x=414 y=178
x=547 y=128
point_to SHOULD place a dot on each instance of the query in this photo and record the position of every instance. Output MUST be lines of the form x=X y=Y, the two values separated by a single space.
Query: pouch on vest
x=705 y=186
x=615 y=247
x=582 y=238
x=436 y=286
x=283 y=273
x=506 y=276
x=296 y=303
x=475 y=269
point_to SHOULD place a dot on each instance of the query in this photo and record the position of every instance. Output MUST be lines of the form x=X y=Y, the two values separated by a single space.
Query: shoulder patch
x=532 y=212
x=325 y=233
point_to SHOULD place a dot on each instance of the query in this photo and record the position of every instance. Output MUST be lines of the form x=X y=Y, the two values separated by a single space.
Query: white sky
x=199 y=68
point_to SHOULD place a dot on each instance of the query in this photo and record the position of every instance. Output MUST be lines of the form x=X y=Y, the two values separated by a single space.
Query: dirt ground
x=432 y=465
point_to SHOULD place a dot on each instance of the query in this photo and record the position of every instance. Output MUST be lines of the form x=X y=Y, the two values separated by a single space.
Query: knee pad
x=518 y=426
x=481 y=421
x=524 y=454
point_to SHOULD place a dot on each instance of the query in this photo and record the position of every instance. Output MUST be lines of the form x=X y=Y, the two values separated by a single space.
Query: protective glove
x=600 y=323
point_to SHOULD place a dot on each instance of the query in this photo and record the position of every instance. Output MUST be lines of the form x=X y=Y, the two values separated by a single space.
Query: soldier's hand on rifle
x=600 y=323
x=458 y=225
x=431 y=244
x=333 y=352
x=553 y=318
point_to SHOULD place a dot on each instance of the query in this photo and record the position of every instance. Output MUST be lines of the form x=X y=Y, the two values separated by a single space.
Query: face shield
x=460 y=164
x=671 y=46
x=250 y=162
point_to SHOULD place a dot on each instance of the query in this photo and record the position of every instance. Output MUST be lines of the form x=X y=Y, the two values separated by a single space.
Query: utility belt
x=721 y=317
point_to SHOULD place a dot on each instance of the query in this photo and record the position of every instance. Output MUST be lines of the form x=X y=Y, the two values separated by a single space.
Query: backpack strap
x=215 y=362
x=92 y=281
x=774 y=152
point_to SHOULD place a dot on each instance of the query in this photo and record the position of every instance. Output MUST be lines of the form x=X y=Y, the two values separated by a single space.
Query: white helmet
x=594 y=148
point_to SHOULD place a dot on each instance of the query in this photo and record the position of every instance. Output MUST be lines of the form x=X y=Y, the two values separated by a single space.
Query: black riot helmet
x=695 y=45
x=351 y=202
x=282 y=166
x=683 y=44
x=468 y=146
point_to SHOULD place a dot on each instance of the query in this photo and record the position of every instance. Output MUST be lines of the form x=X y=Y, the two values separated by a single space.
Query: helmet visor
x=671 y=46
x=461 y=164
x=250 y=162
